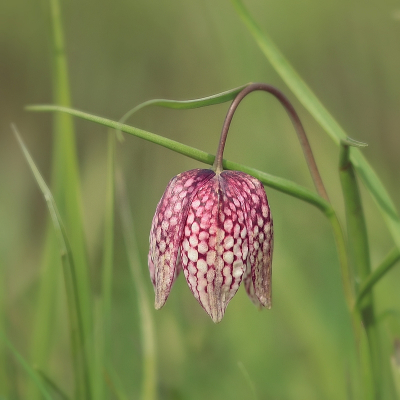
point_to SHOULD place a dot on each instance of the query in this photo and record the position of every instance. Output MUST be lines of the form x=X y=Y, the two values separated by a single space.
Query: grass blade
x=108 y=229
x=103 y=314
x=277 y=183
x=386 y=265
x=51 y=384
x=66 y=190
x=70 y=279
x=324 y=118
x=359 y=249
x=29 y=370
x=149 y=385
x=65 y=179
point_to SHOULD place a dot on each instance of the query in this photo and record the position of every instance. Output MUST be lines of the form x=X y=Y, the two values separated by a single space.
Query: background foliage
x=121 y=53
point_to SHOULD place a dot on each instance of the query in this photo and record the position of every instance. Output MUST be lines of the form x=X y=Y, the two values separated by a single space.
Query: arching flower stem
x=296 y=123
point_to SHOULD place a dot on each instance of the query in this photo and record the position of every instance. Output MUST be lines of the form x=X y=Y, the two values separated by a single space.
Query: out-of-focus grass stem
x=109 y=228
x=385 y=266
x=103 y=312
x=52 y=385
x=65 y=163
x=66 y=189
x=4 y=379
x=361 y=265
x=149 y=385
x=78 y=346
x=28 y=369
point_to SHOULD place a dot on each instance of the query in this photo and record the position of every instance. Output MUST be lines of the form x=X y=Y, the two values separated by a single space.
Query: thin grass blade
x=78 y=347
x=310 y=101
x=149 y=382
x=103 y=309
x=28 y=369
x=4 y=379
x=52 y=385
x=65 y=177
x=386 y=265
x=66 y=189
x=108 y=245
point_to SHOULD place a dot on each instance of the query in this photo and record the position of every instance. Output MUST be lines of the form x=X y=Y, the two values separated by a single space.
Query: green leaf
x=324 y=118
x=187 y=104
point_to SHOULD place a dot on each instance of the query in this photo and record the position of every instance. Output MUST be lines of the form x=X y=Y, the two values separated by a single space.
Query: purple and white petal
x=250 y=192
x=167 y=229
x=214 y=247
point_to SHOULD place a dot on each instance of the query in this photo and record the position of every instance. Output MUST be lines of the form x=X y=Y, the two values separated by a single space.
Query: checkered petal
x=167 y=229
x=214 y=246
x=217 y=227
x=250 y=192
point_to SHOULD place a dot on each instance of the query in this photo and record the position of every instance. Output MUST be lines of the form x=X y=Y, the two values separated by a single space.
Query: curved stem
x=296 y=123
x=281 y=184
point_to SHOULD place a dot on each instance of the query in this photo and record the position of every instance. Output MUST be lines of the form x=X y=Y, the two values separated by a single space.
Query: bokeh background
x=121 y=53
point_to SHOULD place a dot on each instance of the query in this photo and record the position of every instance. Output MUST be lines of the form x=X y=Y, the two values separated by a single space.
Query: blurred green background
x=121 y=53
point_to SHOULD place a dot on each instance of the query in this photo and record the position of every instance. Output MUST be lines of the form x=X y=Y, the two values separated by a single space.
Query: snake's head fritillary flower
x=217 y=227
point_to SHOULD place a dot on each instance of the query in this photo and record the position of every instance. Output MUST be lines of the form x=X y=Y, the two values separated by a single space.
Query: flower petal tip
x=217 y=318
x=216 y=313
x=266 y=302
x=158 y=304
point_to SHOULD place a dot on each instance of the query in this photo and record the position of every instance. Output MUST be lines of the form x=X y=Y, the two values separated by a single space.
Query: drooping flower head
x=218 y=226
x=215 y=225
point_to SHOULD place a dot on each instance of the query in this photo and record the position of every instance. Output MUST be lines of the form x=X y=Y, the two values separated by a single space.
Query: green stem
x=280 y=184
x=359 y=250
x=385 y=266
x=277 y=183
x=310 y=101
x=287 y=105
